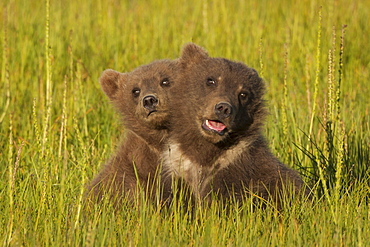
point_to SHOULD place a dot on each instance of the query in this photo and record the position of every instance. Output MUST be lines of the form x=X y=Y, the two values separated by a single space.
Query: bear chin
x=156 y=118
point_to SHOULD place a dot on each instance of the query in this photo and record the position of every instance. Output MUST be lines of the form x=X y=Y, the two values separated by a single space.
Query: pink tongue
x=217 y=126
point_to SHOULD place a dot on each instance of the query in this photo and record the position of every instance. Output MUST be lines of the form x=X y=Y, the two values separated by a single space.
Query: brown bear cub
x=141 y=97
x=216 y=144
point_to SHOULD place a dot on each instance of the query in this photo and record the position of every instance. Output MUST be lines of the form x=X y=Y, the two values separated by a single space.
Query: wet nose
x=223 y=110
x=150 y=101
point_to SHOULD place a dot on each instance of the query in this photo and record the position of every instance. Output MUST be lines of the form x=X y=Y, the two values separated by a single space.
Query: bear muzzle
x=150 y=103
x=219 y=121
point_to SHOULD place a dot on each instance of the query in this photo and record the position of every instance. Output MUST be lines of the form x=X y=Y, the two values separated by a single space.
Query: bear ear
x=192 y=53
x=109 y=82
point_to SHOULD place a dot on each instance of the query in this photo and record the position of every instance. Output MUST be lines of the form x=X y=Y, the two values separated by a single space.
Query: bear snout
x=150 y=102
x=223 y=110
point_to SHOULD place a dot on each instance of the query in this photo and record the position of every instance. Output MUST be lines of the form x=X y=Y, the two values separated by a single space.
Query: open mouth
x=215 y=126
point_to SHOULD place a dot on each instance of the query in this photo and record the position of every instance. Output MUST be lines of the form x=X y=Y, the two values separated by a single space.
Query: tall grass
x=57 y=128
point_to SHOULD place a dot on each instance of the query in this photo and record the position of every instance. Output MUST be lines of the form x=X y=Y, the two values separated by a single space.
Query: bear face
x=229 y=96
x=232 y=98
x=141 y=95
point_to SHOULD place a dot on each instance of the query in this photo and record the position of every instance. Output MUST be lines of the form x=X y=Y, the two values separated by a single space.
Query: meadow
x=57 y=127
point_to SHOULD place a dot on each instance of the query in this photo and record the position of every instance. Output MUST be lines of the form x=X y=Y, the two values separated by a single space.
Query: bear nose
x=150 y=101
x=223 y=110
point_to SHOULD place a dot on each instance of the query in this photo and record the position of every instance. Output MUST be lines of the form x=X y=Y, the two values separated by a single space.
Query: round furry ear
x=192 y=53
x=109 y=82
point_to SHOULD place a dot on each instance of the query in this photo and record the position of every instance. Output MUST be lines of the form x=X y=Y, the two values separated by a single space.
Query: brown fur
x=136 y=161
x=233 y=162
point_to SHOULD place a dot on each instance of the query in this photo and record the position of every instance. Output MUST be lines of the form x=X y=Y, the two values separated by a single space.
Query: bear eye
x=211 y=82
x=243 y=96
x=165 y=82
x=135 y=92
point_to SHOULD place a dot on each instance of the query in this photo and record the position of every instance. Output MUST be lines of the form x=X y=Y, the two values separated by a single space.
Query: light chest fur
x=198 y=176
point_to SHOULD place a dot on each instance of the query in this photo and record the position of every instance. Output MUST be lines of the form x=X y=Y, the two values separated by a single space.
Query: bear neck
x=206 y=154
x=197 y=161
x=153 y=136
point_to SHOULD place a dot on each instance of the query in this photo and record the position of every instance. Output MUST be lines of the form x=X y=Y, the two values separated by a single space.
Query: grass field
x=57 y=127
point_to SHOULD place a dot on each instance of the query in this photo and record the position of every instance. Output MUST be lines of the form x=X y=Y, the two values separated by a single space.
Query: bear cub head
x=225 y=97
x=141 y=95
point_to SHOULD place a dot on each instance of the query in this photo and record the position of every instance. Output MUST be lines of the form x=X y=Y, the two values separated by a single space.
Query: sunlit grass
x=57 y=127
